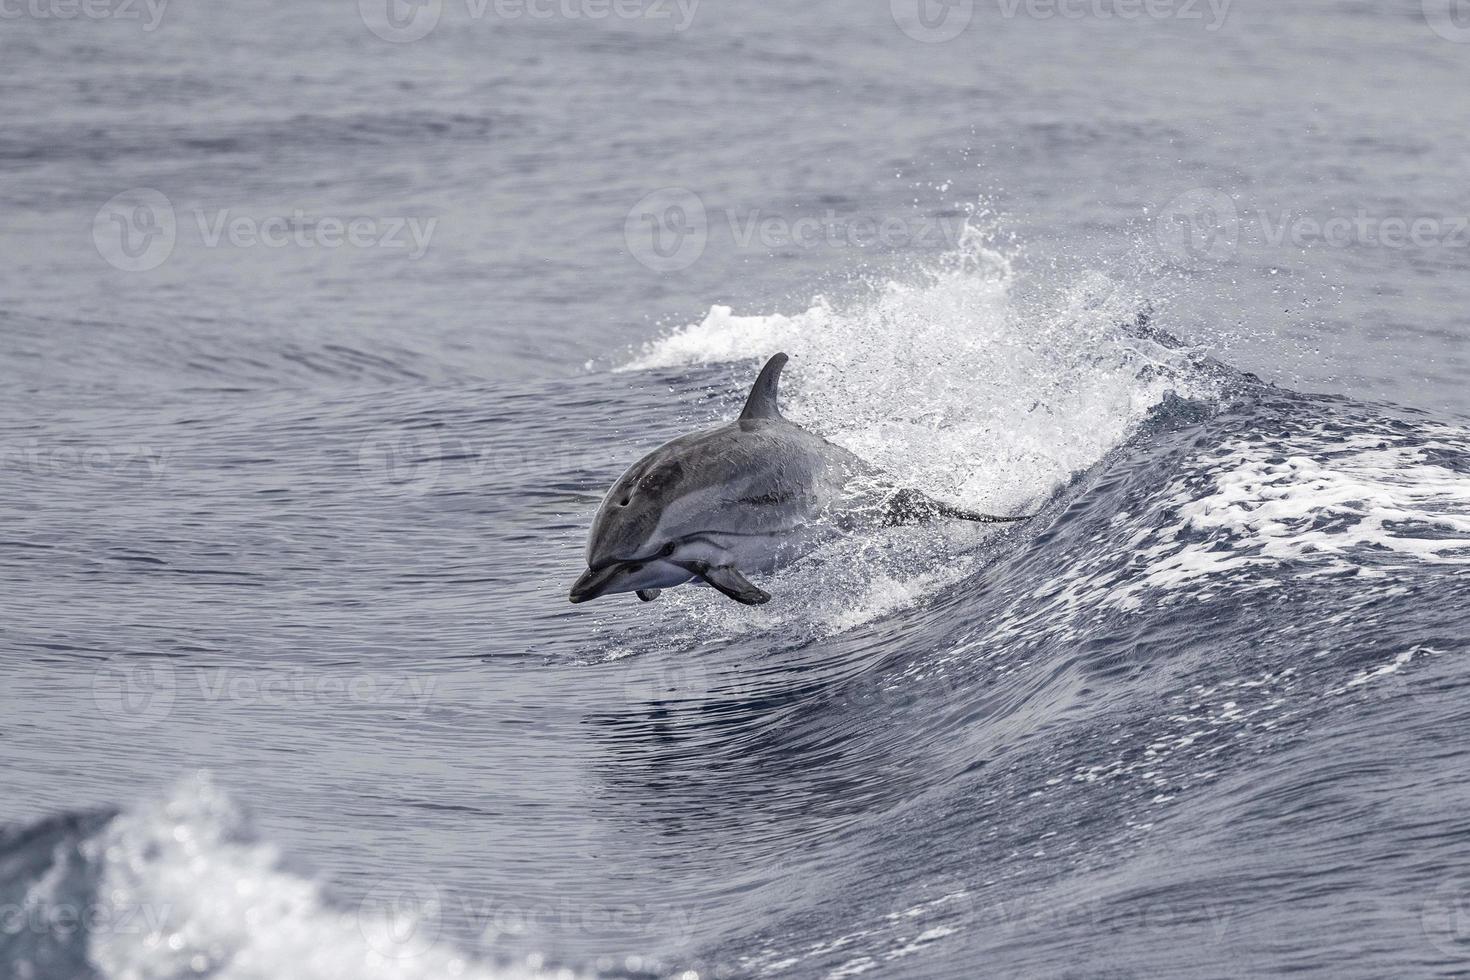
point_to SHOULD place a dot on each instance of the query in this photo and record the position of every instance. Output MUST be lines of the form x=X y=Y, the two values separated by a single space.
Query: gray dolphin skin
x=749 y=496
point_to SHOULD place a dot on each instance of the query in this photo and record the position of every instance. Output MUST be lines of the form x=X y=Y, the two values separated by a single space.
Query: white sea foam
x=1314 y=502
x=187 y=893
x=1398 y=663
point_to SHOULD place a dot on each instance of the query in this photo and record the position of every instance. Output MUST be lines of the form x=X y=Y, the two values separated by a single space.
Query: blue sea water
x=324 y=326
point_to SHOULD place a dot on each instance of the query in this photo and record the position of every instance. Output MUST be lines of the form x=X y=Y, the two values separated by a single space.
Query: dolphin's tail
x=912 y=507
x=945 y=510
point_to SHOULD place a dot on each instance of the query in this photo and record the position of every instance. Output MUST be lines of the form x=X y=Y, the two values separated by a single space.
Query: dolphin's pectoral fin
x=728 y=580
x=912 y=507
x=648 y=595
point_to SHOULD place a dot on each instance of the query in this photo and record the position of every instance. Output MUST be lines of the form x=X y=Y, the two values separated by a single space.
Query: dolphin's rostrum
x=746 y=497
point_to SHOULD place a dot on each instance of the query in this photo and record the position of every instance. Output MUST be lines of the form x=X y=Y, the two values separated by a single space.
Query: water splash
x=186 y=890
x=950 y=384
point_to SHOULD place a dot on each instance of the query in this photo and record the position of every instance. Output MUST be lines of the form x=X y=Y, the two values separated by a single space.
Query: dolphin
x=746 y=497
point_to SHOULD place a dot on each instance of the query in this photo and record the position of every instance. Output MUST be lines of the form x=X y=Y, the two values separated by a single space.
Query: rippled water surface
x=319 y=344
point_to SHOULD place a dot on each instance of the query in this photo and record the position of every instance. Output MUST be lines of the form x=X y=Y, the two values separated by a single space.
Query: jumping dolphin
x=749 y=496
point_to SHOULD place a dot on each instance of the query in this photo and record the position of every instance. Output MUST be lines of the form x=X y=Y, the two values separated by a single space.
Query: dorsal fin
x=762 y=401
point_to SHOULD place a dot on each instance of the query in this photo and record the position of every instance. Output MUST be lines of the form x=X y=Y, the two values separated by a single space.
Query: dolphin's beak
x=591 y=584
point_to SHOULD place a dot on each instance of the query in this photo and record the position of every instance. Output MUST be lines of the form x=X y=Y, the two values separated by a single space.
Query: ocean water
x=324 y=326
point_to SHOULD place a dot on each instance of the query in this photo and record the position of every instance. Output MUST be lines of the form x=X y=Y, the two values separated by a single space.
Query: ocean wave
x=948 y=382
x=181 y=887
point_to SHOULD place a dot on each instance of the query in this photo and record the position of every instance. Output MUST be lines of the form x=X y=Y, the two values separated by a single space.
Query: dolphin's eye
x=667 y=550
x=623 y=502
